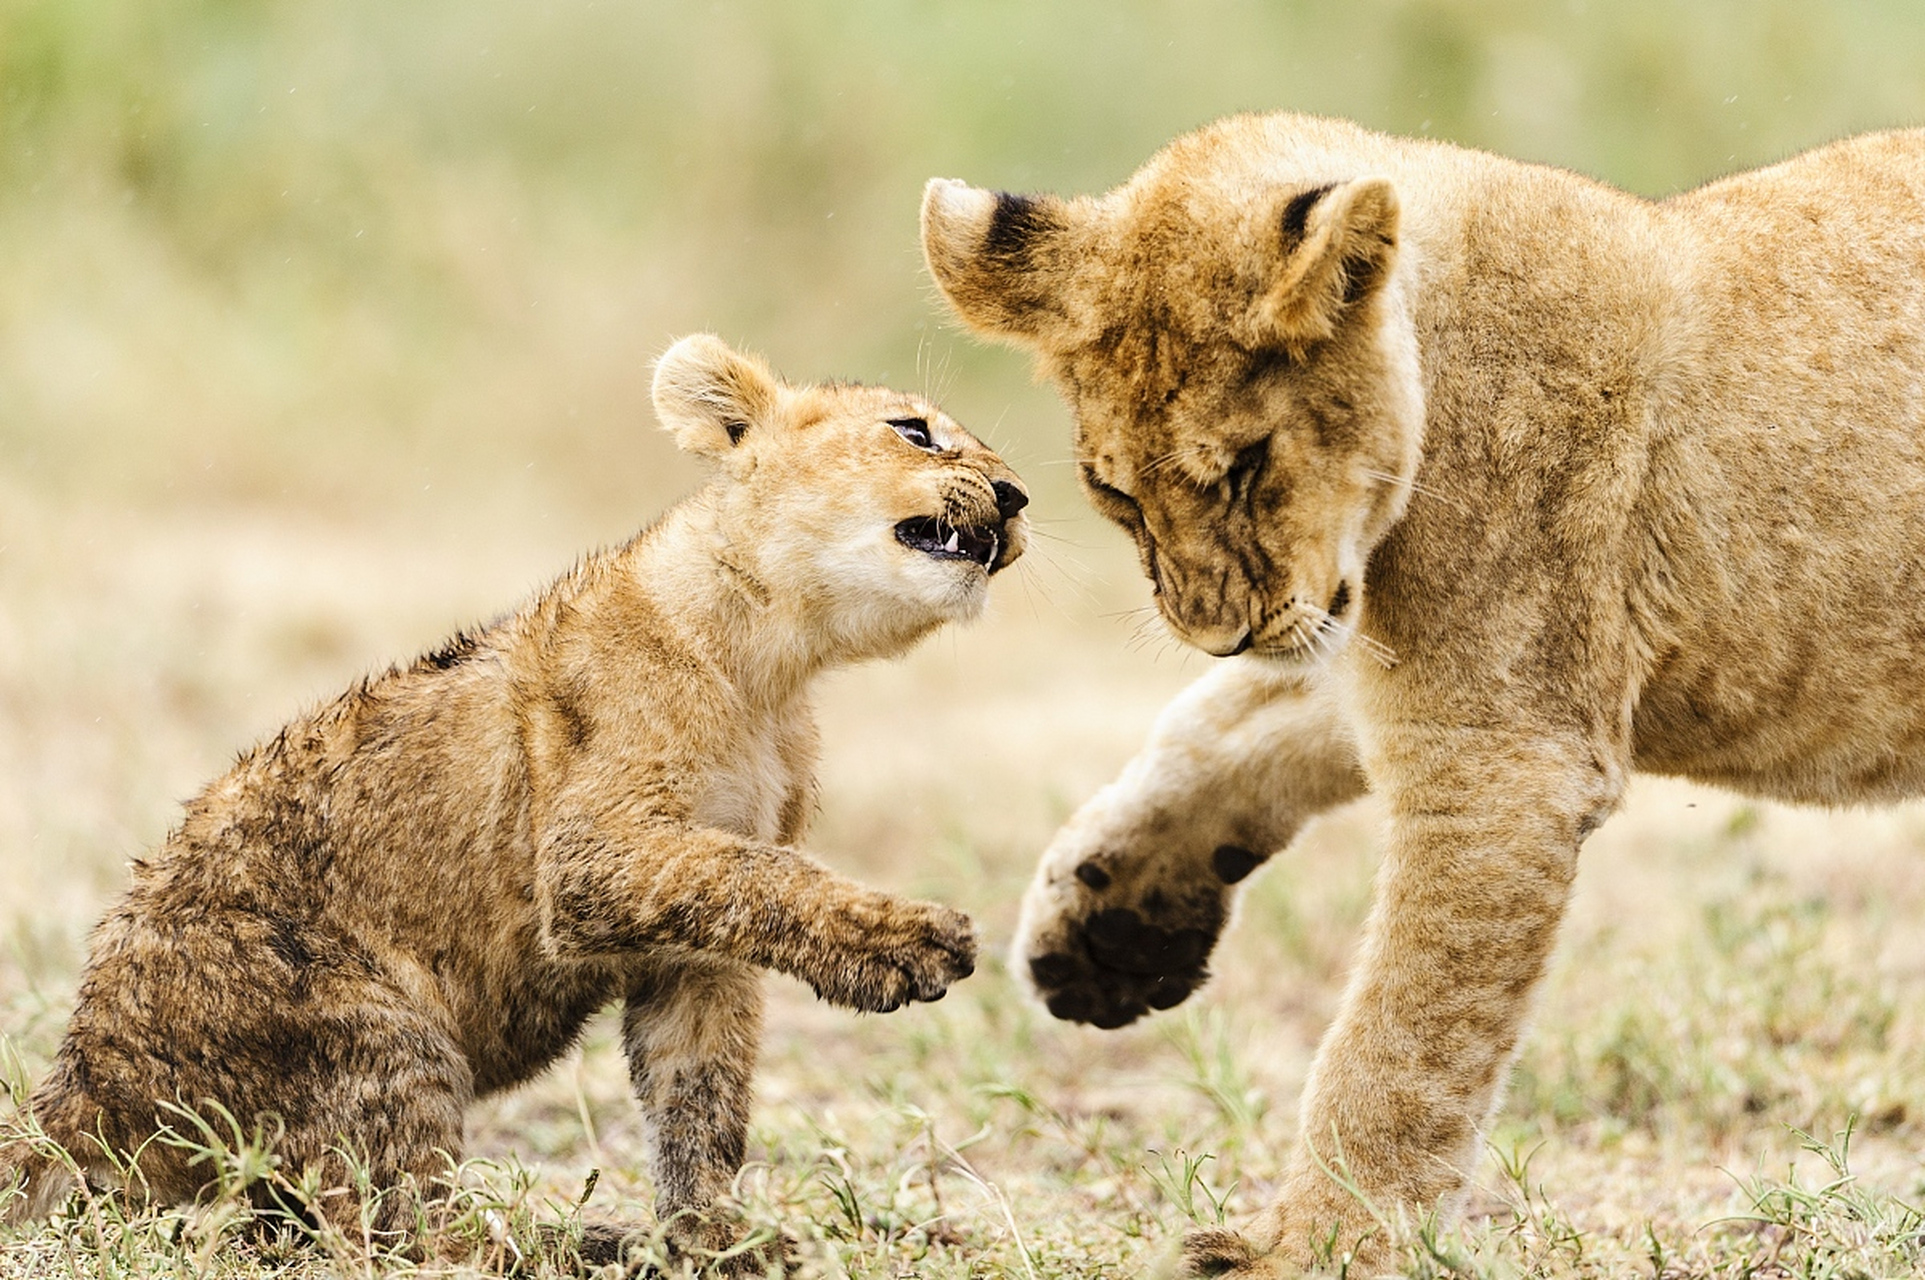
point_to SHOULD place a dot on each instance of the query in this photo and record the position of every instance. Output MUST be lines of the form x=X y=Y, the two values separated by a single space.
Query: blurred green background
x=325 y=328
x=361 y=255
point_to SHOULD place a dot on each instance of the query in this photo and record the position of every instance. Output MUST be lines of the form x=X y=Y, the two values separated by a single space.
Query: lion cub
x=418 y=894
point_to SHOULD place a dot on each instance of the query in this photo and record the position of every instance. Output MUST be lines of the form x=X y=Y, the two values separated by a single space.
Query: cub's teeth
x=954 y=541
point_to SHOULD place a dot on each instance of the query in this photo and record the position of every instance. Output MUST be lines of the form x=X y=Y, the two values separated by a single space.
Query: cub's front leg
x=613 y=880
x=691 y=1028
x=1130 y=897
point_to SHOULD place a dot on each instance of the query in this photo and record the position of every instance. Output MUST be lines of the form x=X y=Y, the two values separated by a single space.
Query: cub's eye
x=915 y=431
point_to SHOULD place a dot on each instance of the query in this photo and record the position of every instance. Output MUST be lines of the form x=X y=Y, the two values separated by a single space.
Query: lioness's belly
x=1822 y=725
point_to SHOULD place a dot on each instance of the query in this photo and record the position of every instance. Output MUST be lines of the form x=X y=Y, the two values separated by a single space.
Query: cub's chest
x=749 y=786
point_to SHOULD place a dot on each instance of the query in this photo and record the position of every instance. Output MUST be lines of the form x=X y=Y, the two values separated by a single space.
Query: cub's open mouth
x=950 y=542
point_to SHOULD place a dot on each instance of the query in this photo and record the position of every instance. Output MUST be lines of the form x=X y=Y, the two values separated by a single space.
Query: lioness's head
x=1235 y=352
x=870 y=509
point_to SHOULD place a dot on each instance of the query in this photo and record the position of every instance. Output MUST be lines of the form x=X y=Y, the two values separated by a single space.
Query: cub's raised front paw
x=1108 y=936
x=899 y=951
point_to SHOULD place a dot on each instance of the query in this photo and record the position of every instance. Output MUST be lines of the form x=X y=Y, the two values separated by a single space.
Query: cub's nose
x=1009 y=499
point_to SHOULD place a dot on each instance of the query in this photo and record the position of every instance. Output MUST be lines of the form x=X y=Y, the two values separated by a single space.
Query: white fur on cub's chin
x=871 y=579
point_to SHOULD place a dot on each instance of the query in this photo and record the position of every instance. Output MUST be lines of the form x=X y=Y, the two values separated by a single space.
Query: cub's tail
x=36 y=1173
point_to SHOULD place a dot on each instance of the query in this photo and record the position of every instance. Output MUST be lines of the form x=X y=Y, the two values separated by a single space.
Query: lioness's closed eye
x=419 y=893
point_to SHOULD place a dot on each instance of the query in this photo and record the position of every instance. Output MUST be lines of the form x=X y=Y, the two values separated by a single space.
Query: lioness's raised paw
x=1117 y=923
x=899 y=951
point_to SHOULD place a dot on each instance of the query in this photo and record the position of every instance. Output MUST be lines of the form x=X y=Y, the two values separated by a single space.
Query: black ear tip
x=1296 y=214
x=1018 y=223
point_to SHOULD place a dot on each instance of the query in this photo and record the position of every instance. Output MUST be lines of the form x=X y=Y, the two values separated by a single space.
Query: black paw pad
x=1075 y=991
x=1054 y=969
x=1092 y=876
x=1233 y=862
x=1121 y=939
x=1073 y=1005
x=1168 y=992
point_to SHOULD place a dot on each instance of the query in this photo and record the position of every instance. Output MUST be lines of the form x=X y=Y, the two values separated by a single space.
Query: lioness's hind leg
x=1131 y=895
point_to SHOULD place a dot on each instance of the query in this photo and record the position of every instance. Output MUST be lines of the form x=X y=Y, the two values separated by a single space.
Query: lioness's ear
x=1005 y=262
x=1333 y=247
x=709 y=395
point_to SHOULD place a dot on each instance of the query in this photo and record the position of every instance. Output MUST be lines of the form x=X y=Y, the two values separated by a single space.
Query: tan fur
x=417 y=894
x=1510 y=484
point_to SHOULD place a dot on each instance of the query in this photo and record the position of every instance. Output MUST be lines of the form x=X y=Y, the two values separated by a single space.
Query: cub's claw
x=914 y=951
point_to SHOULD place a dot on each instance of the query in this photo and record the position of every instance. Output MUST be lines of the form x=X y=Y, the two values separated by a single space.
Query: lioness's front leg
x=1483 y=846
x=1131 y=895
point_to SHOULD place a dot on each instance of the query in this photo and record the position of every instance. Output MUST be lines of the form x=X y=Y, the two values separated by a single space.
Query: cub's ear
x=1330 y=248
x=1006 y=263
x=709 y=396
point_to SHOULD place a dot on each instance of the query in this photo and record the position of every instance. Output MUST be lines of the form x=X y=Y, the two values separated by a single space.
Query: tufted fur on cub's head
x=1239 y=360
x=867 y=514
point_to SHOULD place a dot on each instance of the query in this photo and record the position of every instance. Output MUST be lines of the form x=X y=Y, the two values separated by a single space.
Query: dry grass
x=1733 y=976
x=324 y=330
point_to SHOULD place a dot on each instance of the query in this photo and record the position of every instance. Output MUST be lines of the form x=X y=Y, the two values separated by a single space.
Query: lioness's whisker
x=1384 y=655
x=1151 y=467
x=1433 y=494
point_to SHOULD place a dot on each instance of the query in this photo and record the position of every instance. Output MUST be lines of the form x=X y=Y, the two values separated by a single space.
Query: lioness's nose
x=1009 y=499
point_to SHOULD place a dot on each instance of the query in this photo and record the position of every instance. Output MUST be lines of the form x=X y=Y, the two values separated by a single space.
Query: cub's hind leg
x=692 y=1031
x=1131 y=895
x=186 y=1043
x=44 y=1149
x=378 y=1137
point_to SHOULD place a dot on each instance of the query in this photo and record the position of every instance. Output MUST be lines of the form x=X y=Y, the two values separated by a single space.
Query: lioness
x=1504 y=484
x=418 y=894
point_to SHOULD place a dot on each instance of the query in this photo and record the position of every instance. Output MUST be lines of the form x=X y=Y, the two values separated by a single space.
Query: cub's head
x=1243 y=376
x=868 y=510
